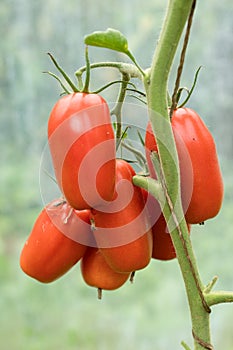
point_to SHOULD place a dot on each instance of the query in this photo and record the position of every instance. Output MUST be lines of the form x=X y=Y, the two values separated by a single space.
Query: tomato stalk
x=156 y=87
x=216 y=297
x=110 y=84
x=117 y=110
x=88 y=71
x=141 y=160
x=185 y=346
x=124 y=68
x=182 y=58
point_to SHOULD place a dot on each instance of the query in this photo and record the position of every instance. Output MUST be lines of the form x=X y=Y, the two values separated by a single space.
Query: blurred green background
x=65 y=315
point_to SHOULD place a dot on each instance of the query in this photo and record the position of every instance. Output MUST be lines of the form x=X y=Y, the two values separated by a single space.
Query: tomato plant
x=53 y=247
x=201 y=179
x=122 y=230
x=82 y=145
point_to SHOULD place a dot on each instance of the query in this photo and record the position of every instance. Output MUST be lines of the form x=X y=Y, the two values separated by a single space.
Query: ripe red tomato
x=122 y=230
x=53 y=247
x=163 y=248
x=97 y=273
x=82 y=145
x=201 y=179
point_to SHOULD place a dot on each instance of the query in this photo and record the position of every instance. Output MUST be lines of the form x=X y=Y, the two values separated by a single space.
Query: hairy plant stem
x=117 y=110
x=124 y=68
x=219 y=297
x=156 y=87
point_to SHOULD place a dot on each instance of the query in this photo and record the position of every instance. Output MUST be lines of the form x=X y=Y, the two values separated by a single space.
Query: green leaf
x=109 y=39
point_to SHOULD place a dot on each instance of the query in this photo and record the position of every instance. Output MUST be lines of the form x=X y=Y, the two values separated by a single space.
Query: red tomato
x=163 y=248
x=201 y=179
x=97 y=273
x=122 y=230
x=53 y=247
x=82 y=145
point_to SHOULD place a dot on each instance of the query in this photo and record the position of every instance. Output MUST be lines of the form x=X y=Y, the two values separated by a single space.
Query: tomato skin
x=163 y=248
x=82 y=146
x=48 y=252
x=123 y=234
x=201 y=179
x=97 y=273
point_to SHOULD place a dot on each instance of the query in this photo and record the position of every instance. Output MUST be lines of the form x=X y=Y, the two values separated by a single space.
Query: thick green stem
x=156 y=88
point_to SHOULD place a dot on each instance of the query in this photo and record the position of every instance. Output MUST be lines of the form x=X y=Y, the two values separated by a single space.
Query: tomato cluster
x=102 y=219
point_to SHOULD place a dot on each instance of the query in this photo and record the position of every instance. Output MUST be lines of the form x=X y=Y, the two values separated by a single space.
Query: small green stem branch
x=124 y=68
x=137 y=154
x=218 y=297
x=182 y=58
x=88 y=72
x=151 y=185
x=156 y=87
x=185 y=346
x=117 y=111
